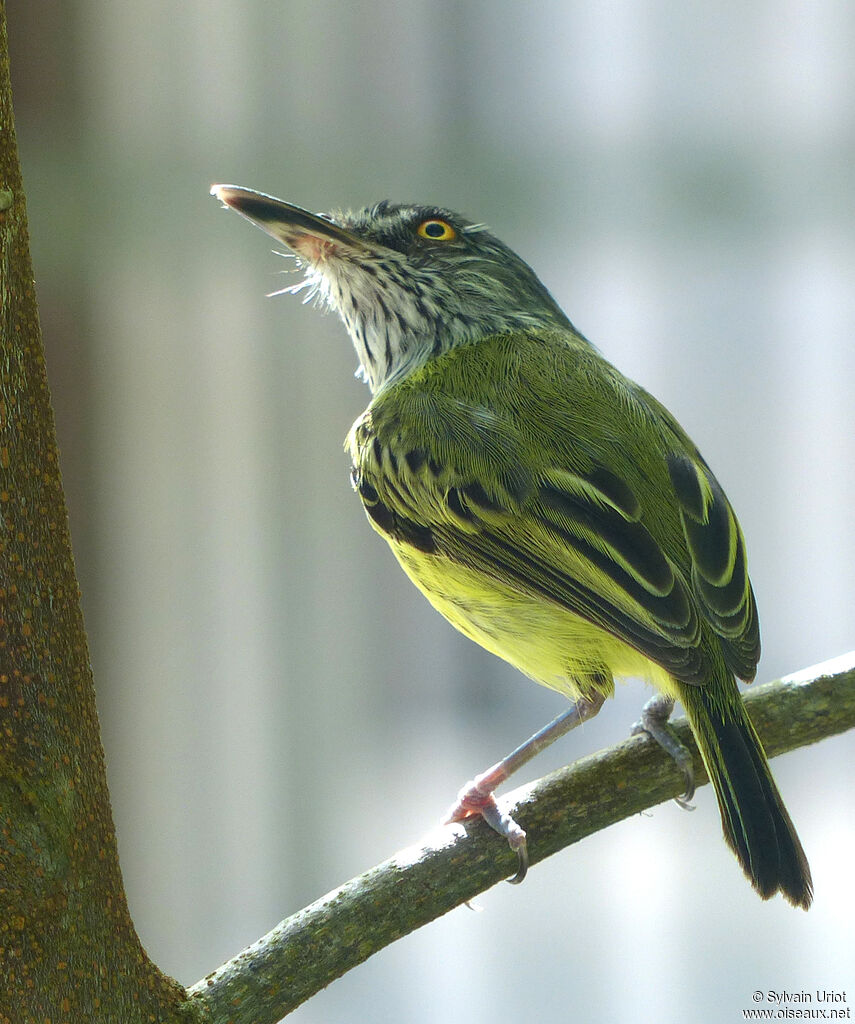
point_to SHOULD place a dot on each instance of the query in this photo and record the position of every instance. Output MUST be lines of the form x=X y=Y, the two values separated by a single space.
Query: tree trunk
x=68 y=948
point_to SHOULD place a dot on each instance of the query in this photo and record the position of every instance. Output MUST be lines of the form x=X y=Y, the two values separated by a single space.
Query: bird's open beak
x=309 y=235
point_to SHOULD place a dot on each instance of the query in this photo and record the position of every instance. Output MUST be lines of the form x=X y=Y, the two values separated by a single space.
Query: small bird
x=550 y=508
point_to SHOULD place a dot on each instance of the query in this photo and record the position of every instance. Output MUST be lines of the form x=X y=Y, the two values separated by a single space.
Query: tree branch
x=307 y=951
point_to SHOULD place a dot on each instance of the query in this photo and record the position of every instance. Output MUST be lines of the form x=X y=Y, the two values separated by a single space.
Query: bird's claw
x=654 y=722
x=472 y=801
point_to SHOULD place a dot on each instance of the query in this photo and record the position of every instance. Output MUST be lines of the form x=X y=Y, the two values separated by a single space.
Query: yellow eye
x=437 y=230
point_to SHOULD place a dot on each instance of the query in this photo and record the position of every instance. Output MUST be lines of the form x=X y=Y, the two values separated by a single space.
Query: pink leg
x=476 y=797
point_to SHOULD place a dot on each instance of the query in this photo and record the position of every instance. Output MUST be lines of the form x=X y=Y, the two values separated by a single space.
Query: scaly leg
x=654 y=721
x=476 y=797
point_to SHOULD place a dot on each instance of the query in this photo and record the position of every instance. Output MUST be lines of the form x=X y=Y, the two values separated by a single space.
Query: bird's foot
x=476 y=798
x=654 y=721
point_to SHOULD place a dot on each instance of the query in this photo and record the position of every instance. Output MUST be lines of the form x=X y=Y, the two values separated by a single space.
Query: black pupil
x=433 y=229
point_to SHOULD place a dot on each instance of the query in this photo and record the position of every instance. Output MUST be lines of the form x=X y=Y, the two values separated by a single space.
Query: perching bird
x=550 y=508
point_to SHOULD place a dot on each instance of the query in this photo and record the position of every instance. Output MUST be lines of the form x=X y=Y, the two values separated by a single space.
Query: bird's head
x=409 y=281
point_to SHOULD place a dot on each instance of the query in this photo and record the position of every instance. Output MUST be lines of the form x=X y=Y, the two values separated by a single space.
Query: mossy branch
x=307 y=951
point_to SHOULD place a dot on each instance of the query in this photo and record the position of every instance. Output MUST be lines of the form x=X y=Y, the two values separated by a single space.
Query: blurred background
x=281 y=709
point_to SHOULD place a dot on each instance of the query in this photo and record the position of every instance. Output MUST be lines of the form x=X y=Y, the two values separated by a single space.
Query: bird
x=549 y=507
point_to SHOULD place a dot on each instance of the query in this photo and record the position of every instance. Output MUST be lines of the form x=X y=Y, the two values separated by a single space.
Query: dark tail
x=755 y=822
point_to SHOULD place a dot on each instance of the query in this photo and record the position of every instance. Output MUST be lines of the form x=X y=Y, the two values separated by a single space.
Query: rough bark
x=68 y=948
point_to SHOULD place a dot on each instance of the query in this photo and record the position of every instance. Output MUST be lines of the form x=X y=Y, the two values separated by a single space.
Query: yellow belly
x=543 y=640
